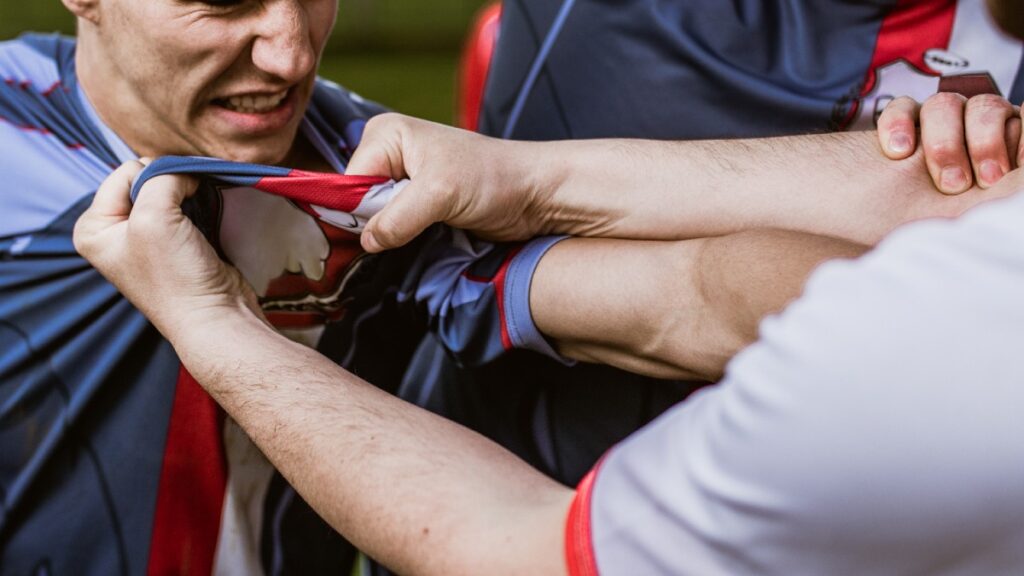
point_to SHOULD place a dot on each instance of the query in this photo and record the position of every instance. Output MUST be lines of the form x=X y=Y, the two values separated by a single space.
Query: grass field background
x=401 y=53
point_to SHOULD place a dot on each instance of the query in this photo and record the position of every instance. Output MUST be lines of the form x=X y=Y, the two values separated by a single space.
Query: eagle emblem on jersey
x=298 y=264
x=293 y=235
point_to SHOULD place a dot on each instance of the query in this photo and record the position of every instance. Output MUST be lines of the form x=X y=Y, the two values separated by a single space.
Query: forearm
x=679 y=309
x=415 y=491
x=835 y=184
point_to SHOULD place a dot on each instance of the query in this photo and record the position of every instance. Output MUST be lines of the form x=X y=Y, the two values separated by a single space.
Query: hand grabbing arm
x=830 y=184
x=963 y=140
x=419 y=493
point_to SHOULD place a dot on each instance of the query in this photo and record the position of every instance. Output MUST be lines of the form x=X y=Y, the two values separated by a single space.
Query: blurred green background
x=401 y=53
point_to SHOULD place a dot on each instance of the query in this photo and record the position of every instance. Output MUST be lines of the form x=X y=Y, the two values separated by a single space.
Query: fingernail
x=953 y=179
x=991 y=172
x=369 y=242
x=899 y=143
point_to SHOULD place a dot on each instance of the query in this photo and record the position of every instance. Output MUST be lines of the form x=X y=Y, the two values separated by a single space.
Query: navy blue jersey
x=687 y=69
x=712 y=69
x=112 y=459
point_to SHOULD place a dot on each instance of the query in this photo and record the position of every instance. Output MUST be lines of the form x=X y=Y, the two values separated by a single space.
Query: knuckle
x=144 y=226
x=989 y=111
x=386 y=231
x=985 y=144
x=944 y=101
x=392 y=119
x=80 y=239
x=381 y=121
x=989 y=102
x=443 y=189
x=896 y=120
x=902 y=107
x=432 y=188
x=374 y=124
x=940 y=150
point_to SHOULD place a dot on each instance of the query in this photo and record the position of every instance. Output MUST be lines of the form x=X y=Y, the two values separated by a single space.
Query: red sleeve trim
x=579 y=543
x=499 y=295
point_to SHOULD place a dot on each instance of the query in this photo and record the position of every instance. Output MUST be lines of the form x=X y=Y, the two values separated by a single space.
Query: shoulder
x=48 y=157
x=34 y=61
x=337 y=117
x=337 y=110
x=330 y=93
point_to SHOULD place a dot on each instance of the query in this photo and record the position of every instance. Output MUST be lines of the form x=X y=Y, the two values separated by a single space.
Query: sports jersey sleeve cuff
x=522 y=332
x=579 y=543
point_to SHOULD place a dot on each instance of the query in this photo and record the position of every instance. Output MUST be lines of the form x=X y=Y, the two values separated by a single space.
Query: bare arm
x=829 y=184
x=671 y=309
x=421 y=494
x=418 y=493
x=834 y=184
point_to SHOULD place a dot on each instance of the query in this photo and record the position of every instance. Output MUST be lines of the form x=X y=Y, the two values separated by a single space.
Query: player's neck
x=305 y=156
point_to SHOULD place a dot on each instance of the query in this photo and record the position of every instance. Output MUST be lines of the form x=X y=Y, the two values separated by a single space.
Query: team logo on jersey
x=945 y=62
x=298 y=263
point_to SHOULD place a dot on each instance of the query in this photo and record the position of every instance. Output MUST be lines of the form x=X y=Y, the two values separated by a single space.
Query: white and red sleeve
x=874 y=429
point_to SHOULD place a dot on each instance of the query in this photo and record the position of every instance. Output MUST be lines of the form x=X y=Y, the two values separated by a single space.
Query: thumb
x=378 y=154
x=166 y=193
x=897 y=128
x=113 y=198
x=406 y=216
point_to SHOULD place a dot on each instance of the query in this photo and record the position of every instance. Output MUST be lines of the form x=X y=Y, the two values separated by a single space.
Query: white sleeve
x=874 y=429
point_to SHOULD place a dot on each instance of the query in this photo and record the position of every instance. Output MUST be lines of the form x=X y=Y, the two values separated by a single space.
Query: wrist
x=190 y=322
x=551 y=172
x=212 y=339
x=574 y=188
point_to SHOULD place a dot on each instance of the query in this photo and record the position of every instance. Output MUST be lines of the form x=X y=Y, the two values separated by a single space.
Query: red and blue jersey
x=294 y=236
x=112 y=459
x=688 y=69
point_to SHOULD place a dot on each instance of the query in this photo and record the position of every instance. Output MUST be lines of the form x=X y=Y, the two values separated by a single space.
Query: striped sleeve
x=579 y=545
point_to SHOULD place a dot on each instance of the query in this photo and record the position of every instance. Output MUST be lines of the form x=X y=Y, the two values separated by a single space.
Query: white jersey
x=876 y=428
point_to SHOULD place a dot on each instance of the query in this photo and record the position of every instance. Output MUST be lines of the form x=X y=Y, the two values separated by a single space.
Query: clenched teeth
x=254 y=104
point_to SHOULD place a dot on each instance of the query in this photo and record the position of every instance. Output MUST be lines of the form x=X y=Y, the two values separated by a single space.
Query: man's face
x=225 y=78
x=1009 y=14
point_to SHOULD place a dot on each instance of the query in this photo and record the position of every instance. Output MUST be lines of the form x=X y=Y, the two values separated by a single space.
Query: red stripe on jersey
x=912 y=28
x=579 y=541
x=907 y=32
x=42 y=131
x=193 y=479
x=334 y=191
x=499 y=294
x=476 y=63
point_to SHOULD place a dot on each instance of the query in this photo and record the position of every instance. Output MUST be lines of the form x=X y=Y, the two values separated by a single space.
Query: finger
x=113 y=198
x=1013 y=140
x=985 y=119
x=166 y=193
x=406 y=216
x=897 y=128
x=942 y=138
x=380 y=151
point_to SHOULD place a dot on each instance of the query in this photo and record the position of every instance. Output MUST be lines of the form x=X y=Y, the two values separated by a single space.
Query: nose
x=283 y=46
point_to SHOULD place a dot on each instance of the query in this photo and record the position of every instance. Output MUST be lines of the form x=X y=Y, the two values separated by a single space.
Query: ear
x=84 y=9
